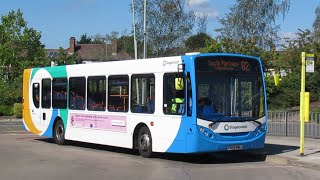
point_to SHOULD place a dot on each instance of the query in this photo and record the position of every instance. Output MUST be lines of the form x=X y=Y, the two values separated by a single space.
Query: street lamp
x=134 y=32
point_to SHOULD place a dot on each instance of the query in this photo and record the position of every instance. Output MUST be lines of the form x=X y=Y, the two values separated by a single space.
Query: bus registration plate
x=234 y=147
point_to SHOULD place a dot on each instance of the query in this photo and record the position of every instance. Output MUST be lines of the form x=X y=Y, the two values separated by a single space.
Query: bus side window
x=118 y=93
x=46 y=93
x=77 y=93
x=36 y=94
x=96 y=100
x=142 y=93
x=173 y=98
x=59 y=93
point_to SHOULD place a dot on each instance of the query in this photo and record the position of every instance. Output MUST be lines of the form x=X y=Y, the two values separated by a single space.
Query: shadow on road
x=274 y=149
x=207 y=158
x=94 y=146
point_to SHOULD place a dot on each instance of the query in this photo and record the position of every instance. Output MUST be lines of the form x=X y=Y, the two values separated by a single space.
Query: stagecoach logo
x=169 y=63
x=227 y=127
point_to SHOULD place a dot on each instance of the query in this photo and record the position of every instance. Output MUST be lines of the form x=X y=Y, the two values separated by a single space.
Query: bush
x=17 y=110
x=5 y=110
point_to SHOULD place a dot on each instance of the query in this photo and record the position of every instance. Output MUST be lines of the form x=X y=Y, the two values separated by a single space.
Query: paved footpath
x=278 y=149
x=286 y=150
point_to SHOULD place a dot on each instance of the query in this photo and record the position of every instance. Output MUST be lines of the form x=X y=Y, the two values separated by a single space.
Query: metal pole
x=303 y=84
x=134 y=32
x=106 y=49
x=144 y=31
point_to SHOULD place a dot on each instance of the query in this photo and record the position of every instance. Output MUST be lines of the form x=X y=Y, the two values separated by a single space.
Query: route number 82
x=245 y=66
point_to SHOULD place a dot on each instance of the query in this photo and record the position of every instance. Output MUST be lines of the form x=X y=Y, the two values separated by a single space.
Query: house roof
x=98 y=52
x=93 y=52
x=52 y=53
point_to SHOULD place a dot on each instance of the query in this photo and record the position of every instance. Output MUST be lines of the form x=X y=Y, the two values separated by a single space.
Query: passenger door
x=46 y=99
x=35 y=105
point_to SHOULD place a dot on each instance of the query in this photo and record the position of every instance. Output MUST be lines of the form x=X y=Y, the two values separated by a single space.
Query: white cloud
x=210 y=13
x=201 y=7
x=288 y=35
x=199 y=2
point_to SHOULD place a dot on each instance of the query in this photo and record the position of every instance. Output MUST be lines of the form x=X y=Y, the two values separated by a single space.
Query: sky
x=58 y=20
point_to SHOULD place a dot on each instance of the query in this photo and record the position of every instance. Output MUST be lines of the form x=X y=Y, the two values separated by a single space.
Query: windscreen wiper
x=244 y=120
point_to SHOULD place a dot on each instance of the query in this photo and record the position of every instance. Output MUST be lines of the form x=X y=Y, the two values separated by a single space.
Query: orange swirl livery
x=26 y=104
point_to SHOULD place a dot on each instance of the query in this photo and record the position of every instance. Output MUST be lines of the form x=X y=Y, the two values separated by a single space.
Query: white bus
x=183 y=104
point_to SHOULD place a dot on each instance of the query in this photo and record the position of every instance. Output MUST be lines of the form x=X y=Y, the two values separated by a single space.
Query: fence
x=288 y=124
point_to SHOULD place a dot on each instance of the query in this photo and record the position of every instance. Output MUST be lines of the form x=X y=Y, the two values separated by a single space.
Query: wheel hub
x=59 y=132
x=144 y=142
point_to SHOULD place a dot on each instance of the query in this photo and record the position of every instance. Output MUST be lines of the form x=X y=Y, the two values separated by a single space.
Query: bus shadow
x=214 y=158
x=94 y=146
x=206 y=158
x=259 y=155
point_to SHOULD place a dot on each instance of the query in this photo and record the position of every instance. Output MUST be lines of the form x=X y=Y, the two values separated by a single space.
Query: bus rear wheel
x=145 y=142
x=58 y=133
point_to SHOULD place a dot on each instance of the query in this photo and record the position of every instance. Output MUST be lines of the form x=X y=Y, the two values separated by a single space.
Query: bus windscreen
x=229 y=88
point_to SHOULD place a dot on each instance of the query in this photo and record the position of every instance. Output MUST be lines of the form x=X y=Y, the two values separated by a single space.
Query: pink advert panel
x=105 y=122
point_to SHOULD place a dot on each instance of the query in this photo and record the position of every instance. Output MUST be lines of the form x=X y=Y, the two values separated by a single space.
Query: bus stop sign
x=310 y=61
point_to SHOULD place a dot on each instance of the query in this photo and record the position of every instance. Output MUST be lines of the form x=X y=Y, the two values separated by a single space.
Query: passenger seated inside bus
x=206 y=107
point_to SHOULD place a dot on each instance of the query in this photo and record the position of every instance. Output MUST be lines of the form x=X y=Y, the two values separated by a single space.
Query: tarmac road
x=26 y=156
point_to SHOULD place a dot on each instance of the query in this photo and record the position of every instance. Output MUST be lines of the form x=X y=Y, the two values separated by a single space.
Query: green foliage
x=17 y=110
x=196 y=42
x=126 y=44
x=212 y=46
x=254 y=19
x=5 y=110
x=85 y=39
x=286 y=95
x=20 y=46
x=10 y=92
x=227 y=45
x=64 y=58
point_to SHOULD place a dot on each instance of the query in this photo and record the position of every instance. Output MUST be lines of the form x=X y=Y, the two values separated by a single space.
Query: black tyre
x=58 y=133
x=144 y=142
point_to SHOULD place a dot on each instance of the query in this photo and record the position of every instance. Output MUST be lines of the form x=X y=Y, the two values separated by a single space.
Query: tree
x=289 y=60
x=85 y=39
x=113 y=36
x=255 y=20
x=20 y=46
x=202 y=22
x=64 y=58
x=125 y=44
x=316 y=23
x=99 y=39
x=169 y=23
x=196 y=42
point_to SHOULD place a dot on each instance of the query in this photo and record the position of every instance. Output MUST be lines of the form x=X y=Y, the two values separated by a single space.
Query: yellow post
x=303 y=83
x=276 y=80
x=306 y=107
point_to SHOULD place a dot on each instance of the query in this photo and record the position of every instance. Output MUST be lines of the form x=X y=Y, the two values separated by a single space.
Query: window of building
x=77 y=93
x=36 y=94
x=173 y=98
x=142 y=93
x=118 y=93
x=59 y=93
x=96 y=93
x=46 y=93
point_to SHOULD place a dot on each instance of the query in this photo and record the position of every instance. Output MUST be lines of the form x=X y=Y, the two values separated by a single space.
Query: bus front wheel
x=145 y=142
x=58 y=133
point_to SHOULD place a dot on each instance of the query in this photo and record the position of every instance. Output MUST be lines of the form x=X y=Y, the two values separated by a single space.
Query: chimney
x=114 y=49
x=72 y=45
